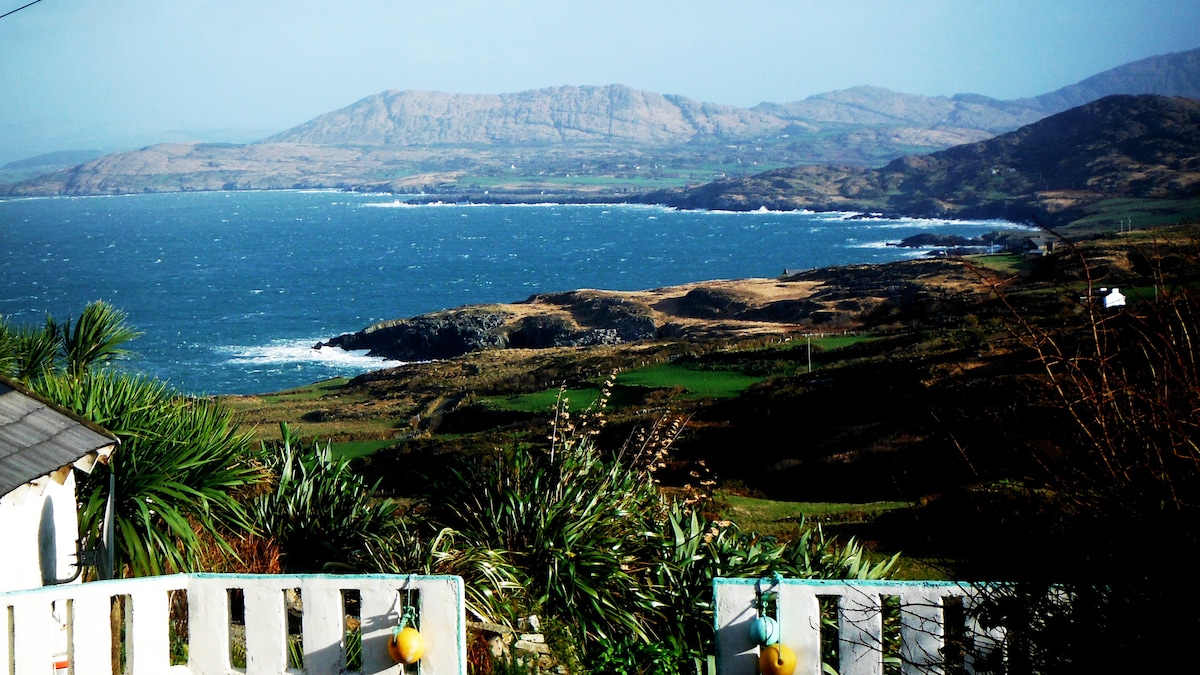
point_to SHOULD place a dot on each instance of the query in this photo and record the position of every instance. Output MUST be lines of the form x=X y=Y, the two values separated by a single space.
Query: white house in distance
x=40 y=445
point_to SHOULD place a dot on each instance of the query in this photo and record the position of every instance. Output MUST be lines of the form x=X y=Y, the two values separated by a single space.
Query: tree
x=75 y=348
x=181 y=460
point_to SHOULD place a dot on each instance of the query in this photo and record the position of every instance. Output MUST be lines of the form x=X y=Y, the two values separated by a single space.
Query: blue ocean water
x=231 y=289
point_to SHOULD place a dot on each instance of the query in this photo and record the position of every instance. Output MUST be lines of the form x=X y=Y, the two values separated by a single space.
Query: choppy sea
x=232 y=289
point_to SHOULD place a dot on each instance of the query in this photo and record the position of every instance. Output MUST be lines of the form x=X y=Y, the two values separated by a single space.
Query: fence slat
x=921 y=632
x=149 y=630
x=736 y=652
x=91 y=632
x=800 y=625
x=266 y=629
x=34 y=631
x=324 y=626
x=860 y=633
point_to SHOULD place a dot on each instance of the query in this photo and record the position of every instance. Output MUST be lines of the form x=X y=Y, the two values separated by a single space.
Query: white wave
x=302 y=352
x=906 y=252
x=397 y=204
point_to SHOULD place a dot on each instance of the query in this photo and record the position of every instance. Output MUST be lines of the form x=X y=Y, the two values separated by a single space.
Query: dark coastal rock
x=541 y=331
x=785 y=311
x=604 y=314
x=430 y=336
x=574 y=319
x=926 y=239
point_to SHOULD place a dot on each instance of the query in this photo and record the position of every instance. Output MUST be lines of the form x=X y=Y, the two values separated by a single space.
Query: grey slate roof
x=37 y=437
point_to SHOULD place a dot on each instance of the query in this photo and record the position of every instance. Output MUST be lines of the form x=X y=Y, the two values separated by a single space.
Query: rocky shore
x=832 y=298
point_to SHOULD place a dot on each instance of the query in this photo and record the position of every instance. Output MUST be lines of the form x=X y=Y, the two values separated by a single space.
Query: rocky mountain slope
x=1055 y=169
x=569 y=140
x=606 y=115
x=619 y=114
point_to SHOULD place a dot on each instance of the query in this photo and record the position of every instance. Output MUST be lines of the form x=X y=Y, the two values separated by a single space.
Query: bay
x=231 y=289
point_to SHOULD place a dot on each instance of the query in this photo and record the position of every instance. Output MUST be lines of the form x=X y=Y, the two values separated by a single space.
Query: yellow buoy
x=406 y=645
x=776 y=659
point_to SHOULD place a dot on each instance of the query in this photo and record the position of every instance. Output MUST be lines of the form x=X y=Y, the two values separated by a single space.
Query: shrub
x=322 y=514
x=578 y=527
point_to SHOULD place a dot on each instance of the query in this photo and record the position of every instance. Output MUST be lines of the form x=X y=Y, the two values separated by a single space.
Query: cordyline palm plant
x=28 y=353
x=95 y=340
x=179 y=465
x=74 y=349
x=180 y=462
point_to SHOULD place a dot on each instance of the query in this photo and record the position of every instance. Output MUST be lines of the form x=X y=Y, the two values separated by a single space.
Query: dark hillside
x=1055 y=169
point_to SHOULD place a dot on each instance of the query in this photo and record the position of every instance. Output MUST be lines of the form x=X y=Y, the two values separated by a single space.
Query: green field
x=684 y=381
x=776 y=517
x=828 y=343
x=307 y=393
x=1006 y=263
x=696 y=384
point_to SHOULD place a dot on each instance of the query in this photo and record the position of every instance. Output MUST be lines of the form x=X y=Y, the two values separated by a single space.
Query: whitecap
x=279 y=352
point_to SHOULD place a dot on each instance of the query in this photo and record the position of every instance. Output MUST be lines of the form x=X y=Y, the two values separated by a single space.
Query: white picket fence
x=251 y=623
x=234 y=624
x=936 y=628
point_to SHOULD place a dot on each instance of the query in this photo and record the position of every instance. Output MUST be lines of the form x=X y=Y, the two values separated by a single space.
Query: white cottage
x=40 y=446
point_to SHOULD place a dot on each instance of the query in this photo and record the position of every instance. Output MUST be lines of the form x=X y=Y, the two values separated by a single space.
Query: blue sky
x=124 y=71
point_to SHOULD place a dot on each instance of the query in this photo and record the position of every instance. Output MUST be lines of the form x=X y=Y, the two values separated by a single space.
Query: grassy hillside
x=933 y=402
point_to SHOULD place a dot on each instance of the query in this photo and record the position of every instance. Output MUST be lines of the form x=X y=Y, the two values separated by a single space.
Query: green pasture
x=1004 y=263
x=686 y=381
x=546 y=400
x=630 y=388
x=828 y=343
x=1113 y=215
x=769 y=516
x=309 y=392
x=696 y=384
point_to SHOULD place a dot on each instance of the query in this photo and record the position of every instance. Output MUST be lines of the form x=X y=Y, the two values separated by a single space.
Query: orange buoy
x=406 y=645
x=776 y=659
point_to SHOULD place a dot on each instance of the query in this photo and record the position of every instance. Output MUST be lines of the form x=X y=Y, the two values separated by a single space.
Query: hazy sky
x=143 y=67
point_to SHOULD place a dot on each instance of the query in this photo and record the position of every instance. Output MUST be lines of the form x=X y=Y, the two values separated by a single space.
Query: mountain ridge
x=579 y=141
x=554 y=114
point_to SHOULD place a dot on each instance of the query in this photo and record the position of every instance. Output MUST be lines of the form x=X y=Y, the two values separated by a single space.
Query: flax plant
x=577 y=526
x=322 y=515
x=695 y=552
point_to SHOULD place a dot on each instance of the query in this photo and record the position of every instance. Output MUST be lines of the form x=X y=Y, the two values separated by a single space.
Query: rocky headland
x=840 y=298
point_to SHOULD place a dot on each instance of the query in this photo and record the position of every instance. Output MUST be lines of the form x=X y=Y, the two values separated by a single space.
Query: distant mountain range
x=1054 y=170
x=617 y=114
x=590 y=140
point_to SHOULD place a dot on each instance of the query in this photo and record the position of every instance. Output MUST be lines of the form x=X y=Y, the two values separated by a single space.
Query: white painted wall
x=38 y=530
